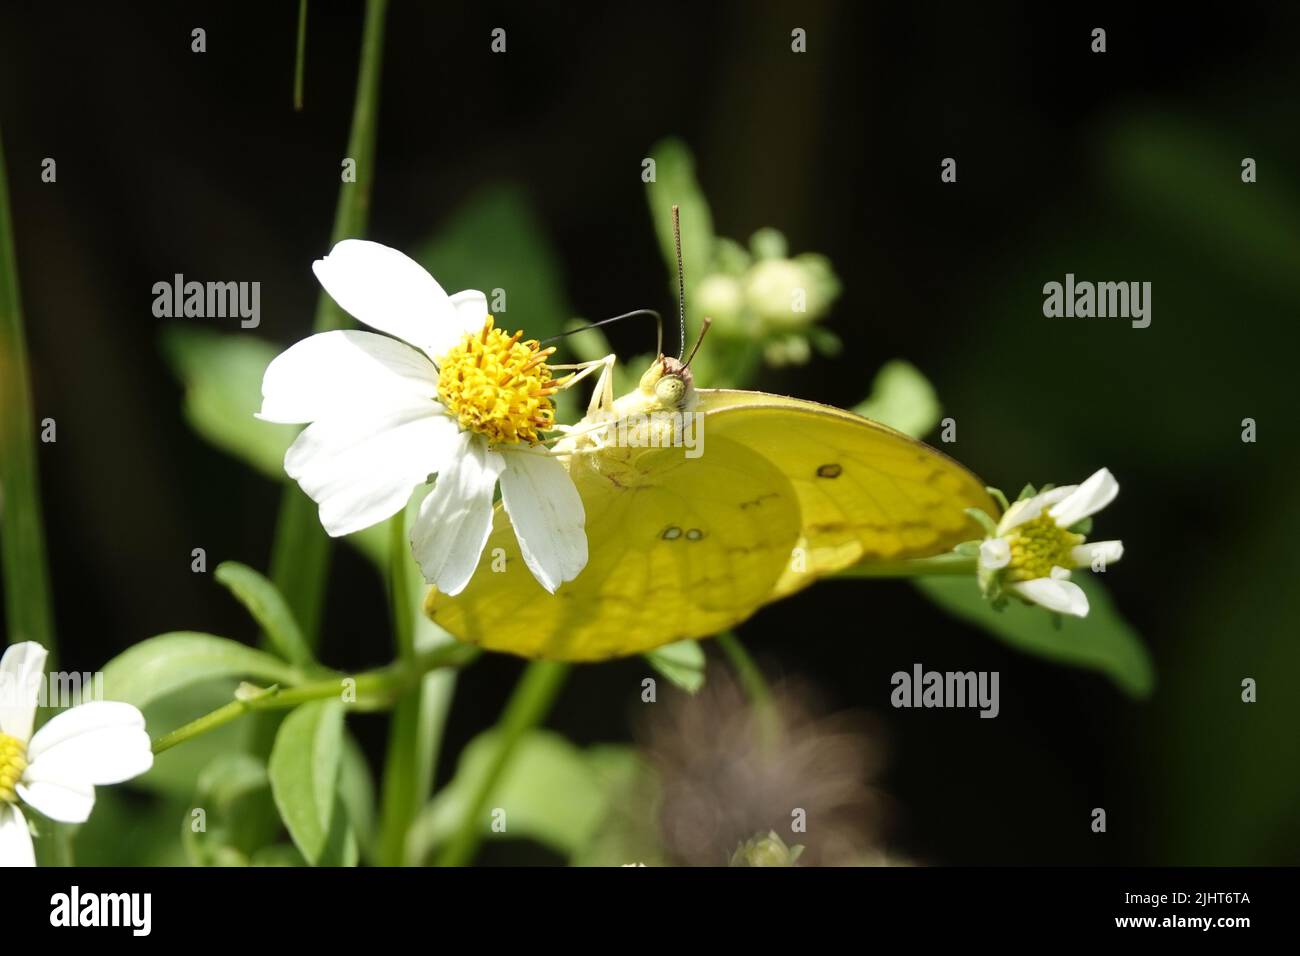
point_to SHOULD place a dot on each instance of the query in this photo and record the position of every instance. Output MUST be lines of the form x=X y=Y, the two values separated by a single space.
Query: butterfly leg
x=602 y=397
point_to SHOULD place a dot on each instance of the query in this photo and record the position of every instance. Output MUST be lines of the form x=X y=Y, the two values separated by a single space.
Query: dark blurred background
x=1119 y=166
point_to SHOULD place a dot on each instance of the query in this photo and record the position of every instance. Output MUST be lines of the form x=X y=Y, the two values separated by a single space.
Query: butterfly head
x=668 y=385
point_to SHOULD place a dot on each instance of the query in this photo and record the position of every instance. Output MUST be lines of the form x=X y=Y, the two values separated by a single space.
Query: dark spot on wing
x=829 y=471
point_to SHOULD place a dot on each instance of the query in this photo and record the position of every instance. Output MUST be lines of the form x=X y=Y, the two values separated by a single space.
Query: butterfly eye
x=670 y=389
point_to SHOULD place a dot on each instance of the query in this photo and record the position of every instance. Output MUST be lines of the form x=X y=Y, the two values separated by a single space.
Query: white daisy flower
x=450 y=394
x=1033 y=550
x=55 y=771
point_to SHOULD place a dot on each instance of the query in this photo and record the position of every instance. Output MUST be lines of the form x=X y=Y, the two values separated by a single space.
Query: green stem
x=399 y=592
x=300 y=553
x=300 y=56
x=404 y=786
x=754 y=684
x=384 y=685
x=528 y=706
x=940 y=564
x=28 y=612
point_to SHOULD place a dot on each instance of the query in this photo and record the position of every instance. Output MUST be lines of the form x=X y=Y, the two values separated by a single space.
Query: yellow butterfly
x=704 y=505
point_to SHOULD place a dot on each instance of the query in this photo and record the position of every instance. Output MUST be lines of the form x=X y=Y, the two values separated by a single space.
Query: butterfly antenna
x=659 y=322
x=681 y=285
x=700 y=341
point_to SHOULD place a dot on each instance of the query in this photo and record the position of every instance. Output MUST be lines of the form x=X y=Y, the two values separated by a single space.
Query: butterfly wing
x=865 y=491
x=784 y=491
x=678 y=548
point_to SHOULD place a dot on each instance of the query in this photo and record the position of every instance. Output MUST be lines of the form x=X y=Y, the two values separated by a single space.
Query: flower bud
x=787 y=294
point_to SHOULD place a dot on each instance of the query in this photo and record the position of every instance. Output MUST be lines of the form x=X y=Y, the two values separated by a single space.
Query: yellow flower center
x=1039 y=545
x=498 y=386
x=13 y=761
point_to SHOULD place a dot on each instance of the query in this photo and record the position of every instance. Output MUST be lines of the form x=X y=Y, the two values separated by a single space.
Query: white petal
x=470 y=316
x=471 y=310
x=1089 y=498
x=995 y=553
x=15 y=839
x=22 y=671
x=103 y=741
x=386 y=290
x=1109 y=552
x=337 y=372
x=448 y=535
x=362 y=469
x=1031 y=508
x=1064 y=597
x=65 y=802
x=547 y=513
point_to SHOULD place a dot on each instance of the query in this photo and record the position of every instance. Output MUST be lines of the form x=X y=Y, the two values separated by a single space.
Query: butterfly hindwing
x=679 y=548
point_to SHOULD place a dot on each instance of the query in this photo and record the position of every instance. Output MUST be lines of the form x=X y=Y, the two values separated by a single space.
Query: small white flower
x=55 y=771
x=455 y=397
x=1034 y=551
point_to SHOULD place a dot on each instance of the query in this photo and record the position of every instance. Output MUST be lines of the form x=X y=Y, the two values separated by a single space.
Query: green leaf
x=357 y=790
x=1154 y=160
x=681 y=662
x=233 y=796
x=304 y=772
x=497 y=241
x=264 y=601
x=901 y=397
x=1102 y=641
x=222 y=377
x=551 y=792
x=161 y=665
x=282 y=854
x=124 y=830
x=675 y=184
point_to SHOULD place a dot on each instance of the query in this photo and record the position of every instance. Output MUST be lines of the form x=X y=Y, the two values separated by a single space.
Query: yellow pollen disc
x=13 y=761
x=498 y=386
x=1039 y=545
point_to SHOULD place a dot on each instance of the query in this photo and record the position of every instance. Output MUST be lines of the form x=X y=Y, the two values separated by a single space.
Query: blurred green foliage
x=901 y=397
x=552 y=792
